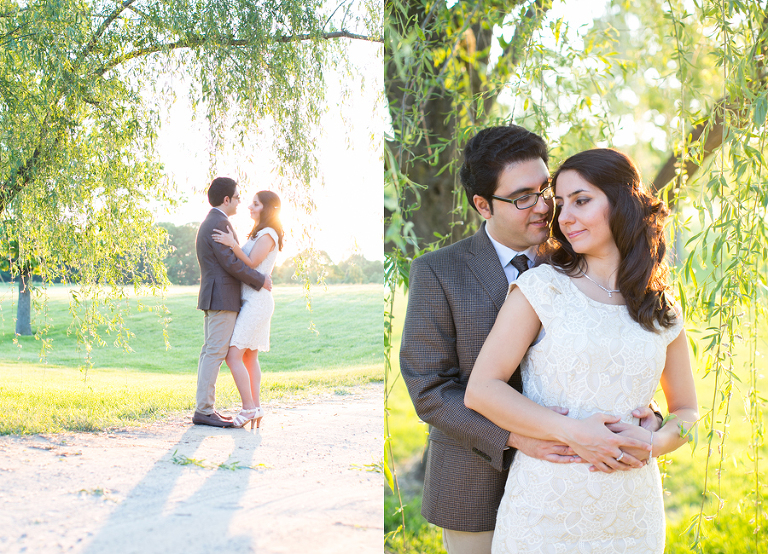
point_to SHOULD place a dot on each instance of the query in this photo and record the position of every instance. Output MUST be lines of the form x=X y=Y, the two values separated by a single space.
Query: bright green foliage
x=418 y=536
x=681 y=87
x=81 y=86
x=294 y=347
x=148 y=382
x=54 y=400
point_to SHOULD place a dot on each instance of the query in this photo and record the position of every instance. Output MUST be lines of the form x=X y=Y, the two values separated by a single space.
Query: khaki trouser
x=462 y=542
x=219 y=325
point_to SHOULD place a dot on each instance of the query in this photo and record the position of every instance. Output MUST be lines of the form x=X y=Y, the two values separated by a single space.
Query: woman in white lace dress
x=251 y=333
x=594 y=332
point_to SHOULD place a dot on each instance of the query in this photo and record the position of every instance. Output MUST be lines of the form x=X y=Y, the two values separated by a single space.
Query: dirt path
x=122 y=492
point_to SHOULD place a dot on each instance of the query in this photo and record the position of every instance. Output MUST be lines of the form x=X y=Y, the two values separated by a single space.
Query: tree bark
x=713 y=141
x=24 y=307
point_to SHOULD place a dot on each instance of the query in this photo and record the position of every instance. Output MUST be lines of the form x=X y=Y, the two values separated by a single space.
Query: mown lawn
x=735 y=530
x=342 y=349
x=347 y=320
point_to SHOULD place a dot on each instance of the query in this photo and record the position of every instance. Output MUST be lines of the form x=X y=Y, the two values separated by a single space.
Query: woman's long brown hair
x=270 y=216
x=636 y=221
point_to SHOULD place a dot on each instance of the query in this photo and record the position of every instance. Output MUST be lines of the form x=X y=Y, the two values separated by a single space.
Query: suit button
x=482 y=454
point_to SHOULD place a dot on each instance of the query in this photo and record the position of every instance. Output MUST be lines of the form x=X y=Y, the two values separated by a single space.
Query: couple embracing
x=533 y=349
x=235 y=294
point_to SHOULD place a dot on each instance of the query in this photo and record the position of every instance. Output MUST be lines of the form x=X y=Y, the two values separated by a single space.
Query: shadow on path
x=173 y=497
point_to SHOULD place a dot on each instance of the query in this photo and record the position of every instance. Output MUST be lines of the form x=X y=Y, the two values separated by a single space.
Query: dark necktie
x=520 y=263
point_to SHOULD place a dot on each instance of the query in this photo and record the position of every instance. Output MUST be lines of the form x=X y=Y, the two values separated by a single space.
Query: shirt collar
x=506 y=254
x=222 y=211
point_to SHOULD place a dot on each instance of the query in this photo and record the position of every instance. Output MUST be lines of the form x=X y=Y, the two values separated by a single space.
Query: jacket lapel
x=486 y=267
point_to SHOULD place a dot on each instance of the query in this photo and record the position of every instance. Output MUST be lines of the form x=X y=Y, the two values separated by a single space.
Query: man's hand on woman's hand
x=543 y=450
x=550 y=451
x=648 y=419
x=648 y=422
x=607 y=451
x=635 y=432
x=630 y=443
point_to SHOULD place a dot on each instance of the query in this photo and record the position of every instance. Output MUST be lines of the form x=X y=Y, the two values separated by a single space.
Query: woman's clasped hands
x=609 y=445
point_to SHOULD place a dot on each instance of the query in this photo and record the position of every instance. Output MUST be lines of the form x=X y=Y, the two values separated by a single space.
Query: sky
x=349 y=215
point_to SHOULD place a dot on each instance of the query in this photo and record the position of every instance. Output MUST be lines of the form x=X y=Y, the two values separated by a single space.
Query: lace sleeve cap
x=540 y=287
x=268 y=231
x=671 y=333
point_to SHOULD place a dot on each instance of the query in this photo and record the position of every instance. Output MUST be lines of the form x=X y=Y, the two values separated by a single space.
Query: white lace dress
x=592 y=358
x=252 y=325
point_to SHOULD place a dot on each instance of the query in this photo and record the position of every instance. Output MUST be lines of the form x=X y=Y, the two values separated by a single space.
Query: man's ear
x=483 y=206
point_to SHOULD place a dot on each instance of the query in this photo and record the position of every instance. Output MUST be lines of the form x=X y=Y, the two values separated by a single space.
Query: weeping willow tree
x=82 y=84
x=681 y=87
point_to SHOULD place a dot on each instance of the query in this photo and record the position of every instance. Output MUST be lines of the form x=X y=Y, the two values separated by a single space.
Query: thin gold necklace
x=609 y=291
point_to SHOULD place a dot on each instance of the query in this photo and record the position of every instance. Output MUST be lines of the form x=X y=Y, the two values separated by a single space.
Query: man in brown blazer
x=455 y=294
x=220 y=276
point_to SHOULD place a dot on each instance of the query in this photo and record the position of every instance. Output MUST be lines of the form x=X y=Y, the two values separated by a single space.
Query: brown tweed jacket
x=220 y=270
x=454 y=297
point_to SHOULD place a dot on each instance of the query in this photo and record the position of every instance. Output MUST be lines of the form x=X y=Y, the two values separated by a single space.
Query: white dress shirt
x=506 y=255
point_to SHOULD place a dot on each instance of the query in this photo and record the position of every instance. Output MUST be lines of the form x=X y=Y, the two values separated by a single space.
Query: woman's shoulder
x=267 y=231
x=544 y=273
x=678 y=321
x=543 y=281
x=539 y=279
x=543 y=269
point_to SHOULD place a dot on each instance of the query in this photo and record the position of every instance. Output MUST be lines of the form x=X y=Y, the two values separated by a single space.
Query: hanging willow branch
x=708 y=135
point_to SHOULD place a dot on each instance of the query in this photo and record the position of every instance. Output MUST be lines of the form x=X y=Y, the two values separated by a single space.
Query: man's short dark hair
x=220 y=188
x=490 y=151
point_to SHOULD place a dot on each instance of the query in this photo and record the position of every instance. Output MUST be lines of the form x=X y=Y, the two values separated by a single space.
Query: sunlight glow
x=349 y=214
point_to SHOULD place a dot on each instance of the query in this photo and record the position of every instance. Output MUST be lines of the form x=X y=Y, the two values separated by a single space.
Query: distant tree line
x=182 y=269
x=181 y=263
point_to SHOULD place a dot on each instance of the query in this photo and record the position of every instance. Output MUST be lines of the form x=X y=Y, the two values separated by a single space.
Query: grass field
x=733 y=531
x=148 y=381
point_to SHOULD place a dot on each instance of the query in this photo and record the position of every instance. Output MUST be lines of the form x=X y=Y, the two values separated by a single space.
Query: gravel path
x=307 y=488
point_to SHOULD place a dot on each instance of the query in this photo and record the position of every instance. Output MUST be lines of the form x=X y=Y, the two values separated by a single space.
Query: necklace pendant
x=610 y=294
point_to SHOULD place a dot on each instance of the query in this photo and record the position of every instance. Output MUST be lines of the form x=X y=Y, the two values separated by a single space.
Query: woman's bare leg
x=251 y=362
x=234 y=360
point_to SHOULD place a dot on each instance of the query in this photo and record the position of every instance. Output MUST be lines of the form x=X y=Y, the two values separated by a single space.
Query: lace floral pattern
x=592 y=358
x=252 y=325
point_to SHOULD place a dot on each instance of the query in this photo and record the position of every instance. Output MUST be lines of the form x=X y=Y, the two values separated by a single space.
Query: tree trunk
x=439 y=113
x=24 y=309
x=438 y=199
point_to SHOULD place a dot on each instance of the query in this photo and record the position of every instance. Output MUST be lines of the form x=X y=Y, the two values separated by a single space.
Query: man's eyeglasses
x=528 y=200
